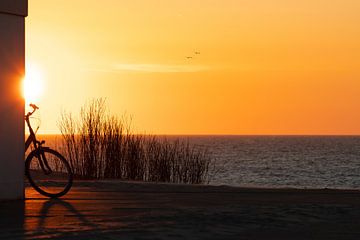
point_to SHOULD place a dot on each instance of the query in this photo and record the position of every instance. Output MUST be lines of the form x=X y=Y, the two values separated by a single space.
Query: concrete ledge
x=14 y=7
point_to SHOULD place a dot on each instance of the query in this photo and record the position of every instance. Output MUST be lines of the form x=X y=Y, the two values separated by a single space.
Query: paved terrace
x=118 y=210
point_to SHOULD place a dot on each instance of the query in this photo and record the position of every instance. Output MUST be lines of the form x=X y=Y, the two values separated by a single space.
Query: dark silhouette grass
x=99 y=145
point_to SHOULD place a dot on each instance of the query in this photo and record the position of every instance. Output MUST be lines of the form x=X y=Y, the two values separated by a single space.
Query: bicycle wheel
x=53 y=179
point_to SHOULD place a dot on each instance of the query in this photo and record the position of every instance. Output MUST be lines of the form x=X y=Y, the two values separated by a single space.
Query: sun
x=33 y=85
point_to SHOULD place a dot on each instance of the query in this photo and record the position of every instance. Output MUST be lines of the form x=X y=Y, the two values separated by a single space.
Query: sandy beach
x=131 y=210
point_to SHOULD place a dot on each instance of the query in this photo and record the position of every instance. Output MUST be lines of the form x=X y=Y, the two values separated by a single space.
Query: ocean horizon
x=276 y=161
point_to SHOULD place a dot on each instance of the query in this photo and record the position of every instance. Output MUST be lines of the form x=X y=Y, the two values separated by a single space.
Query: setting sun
x=33 y=85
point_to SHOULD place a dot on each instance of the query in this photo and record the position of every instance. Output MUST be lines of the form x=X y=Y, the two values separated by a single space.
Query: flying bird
x=197 y=52
x=189 y=57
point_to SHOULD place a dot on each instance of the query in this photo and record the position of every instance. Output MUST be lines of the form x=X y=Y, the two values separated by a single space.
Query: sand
x=130 y=210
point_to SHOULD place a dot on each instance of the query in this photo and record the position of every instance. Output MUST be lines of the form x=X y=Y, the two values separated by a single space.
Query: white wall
x=12 y=62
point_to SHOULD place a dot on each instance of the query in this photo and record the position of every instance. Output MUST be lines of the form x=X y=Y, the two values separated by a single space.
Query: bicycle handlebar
x=34 y=107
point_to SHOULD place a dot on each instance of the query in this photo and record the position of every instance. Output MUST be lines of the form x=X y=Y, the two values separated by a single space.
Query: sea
x=280 y=161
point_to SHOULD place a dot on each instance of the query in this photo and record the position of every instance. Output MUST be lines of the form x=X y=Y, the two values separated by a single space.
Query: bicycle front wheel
x=48 y=172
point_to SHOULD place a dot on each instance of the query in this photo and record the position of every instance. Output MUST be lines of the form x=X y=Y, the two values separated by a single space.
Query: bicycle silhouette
x=47 y=170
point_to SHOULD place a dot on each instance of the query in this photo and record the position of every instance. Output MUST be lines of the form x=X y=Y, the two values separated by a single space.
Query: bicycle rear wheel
x=53 y=179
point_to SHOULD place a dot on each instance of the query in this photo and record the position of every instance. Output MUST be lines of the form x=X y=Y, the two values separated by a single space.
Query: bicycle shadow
x=55 y=218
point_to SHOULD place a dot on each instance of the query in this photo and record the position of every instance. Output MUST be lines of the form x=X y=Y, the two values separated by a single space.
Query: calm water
x=283 y=161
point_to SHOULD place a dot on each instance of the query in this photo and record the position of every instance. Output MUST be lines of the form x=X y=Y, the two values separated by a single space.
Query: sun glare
x=33 y=85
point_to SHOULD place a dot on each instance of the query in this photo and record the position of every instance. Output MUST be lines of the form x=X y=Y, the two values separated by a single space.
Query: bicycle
x=47 y=170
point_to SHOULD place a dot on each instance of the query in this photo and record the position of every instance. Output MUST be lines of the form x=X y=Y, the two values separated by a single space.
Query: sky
x=265 y=67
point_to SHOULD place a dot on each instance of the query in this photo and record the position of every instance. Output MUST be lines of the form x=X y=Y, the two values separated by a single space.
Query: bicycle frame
x=31 y=138
x=37 y=144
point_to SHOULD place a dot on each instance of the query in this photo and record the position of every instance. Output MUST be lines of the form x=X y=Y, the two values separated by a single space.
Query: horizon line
x=235 y=135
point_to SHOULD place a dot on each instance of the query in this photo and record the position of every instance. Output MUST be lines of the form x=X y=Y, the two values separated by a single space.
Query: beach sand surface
x=131 y=210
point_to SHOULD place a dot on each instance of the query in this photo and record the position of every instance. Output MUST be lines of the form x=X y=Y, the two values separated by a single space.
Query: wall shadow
x=12 y=218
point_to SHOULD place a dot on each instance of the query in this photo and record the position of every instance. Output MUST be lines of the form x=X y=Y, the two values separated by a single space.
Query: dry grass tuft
x=99 y=145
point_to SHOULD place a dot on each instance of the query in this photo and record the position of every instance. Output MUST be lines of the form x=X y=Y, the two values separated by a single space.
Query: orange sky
x=265 y=67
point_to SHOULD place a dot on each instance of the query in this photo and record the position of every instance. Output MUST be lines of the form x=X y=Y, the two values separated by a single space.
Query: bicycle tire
x=38 y=185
